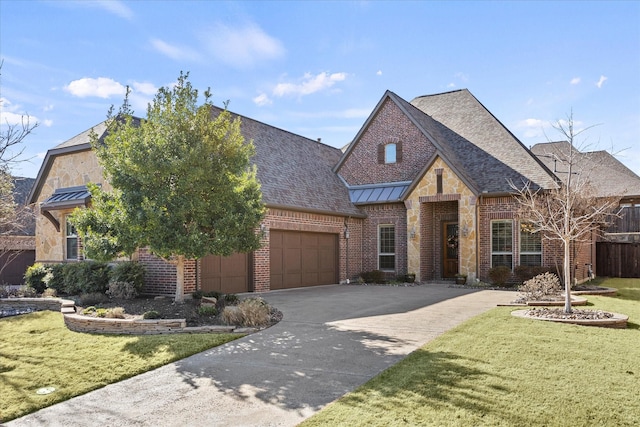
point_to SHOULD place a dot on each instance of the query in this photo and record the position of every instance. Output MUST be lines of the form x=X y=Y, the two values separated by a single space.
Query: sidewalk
x=331 y=340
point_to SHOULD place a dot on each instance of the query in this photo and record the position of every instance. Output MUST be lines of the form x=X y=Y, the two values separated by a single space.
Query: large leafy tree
x=183 y=183
x=572 y=214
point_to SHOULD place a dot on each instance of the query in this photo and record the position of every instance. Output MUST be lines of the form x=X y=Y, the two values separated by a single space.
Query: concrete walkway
x=331 y=340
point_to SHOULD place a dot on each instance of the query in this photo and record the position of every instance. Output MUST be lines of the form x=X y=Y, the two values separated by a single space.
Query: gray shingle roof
x=296 y=172
x=608 y=175
x=477 y=144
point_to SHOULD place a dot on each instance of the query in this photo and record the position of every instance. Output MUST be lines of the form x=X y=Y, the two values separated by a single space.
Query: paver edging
x=618 y=321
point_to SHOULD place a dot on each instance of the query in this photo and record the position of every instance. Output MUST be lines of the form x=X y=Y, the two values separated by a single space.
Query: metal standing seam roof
x=378 y=193
x=67 y=197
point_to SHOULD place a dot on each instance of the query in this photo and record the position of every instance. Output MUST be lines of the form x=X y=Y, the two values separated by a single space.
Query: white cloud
x=462 y=76
x=12 y=114
x=144 y=88
x=575 y=81
x=451 y=85
x=379 y=73
x=601 y=81
x=309 y=84
x=47 y=123
x=262 y=100
x=179 y=53
x=101 y=87
x=114 y=6
x=242 y=46
x=532 y=128
x=47 y=108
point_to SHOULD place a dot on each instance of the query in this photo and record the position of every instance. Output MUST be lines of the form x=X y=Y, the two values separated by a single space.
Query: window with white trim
x=71 y=241
x=530 y=246
x=387 y=247
x=502 y=243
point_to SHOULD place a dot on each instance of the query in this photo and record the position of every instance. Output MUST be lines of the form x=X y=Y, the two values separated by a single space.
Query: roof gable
x=489 y=153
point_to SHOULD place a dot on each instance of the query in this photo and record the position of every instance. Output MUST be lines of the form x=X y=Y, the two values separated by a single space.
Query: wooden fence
x=618 y=259
x=629 y=221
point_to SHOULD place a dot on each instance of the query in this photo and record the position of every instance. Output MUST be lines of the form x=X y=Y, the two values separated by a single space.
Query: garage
x=227 y=275
x=302 y=259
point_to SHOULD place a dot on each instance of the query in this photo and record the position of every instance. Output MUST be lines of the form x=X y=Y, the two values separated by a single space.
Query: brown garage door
x=303 y=259
x=227 y=275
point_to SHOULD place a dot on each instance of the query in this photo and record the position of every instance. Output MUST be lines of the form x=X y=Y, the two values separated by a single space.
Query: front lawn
x=498 y=370
x=38 y=351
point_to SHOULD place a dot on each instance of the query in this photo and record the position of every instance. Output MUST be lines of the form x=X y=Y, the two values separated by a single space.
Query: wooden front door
x=450 y=249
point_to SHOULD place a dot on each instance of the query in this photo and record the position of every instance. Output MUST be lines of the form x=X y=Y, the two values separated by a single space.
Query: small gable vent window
x=390 y=153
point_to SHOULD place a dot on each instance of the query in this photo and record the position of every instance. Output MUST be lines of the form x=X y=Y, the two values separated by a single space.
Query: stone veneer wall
x=424 y=250
x=280 y=219
x=67 y=170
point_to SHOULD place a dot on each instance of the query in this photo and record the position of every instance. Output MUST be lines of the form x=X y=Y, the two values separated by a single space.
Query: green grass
x=498 y=370
x=37 y=350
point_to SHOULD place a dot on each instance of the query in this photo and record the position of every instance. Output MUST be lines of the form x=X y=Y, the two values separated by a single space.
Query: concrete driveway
x=331 y=340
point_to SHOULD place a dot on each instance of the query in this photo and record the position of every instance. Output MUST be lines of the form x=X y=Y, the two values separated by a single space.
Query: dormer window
x=390 y=153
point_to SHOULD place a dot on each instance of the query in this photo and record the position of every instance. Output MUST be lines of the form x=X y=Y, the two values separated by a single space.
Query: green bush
x=55 y=278
x=151 y=314
x=499 y=275
x=34 y=277
x=130 y=272
x=207 y=310
x=374 y=276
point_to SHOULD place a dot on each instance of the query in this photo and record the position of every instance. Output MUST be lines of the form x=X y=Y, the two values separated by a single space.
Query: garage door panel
x=227 y=275
x=303 y=259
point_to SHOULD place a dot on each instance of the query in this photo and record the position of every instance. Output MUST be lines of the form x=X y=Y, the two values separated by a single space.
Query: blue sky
x=319 y=68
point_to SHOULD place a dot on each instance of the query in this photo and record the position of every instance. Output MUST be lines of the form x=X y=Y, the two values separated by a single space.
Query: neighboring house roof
x=478 y=145
x=296 y=172
x=27 y=222
x=607 y=175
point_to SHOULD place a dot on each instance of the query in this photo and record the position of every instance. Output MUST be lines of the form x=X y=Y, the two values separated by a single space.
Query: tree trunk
x=567 y=276
x=180 y=278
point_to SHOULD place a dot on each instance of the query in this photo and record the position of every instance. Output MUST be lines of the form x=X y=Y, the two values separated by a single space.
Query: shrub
x=196 y=295
x=540 y=287
x=92 y=298
x=122 y=290
x=50 y=292
x=129 y=271
x=207 y=310
x=55 y=277
x=526 y=272
x=151 y=314
x=34 y=277
x=250 y=312
x=374 y=276
x=499 y=275
x=115 y=313
x=89 y=311
x=225 y=300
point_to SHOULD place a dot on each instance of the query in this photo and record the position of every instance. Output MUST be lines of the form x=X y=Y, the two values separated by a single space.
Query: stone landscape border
x=618 y=321
x=99 y=325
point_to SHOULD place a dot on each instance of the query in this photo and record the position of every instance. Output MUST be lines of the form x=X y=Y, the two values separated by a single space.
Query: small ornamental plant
x=541 y=287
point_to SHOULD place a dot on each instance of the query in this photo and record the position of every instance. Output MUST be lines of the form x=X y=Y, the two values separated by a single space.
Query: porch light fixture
x=346 y=233
x=412 y=233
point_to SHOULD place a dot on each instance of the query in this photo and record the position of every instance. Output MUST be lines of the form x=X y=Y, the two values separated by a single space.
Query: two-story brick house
x=423 y=188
